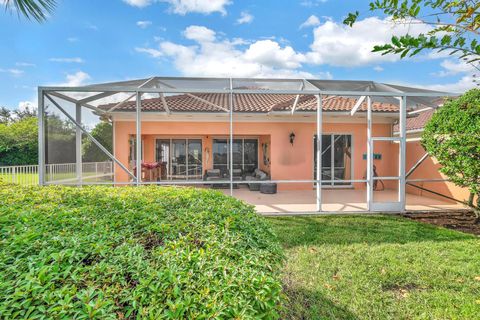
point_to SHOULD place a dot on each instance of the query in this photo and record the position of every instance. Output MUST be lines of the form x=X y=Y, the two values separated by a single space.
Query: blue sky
x=87 y=41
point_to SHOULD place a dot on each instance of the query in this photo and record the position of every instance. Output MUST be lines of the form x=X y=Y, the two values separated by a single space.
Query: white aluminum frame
x=105 y=90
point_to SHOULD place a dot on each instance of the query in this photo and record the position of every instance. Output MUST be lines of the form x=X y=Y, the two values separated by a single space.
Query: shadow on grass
x=295 y=231
x=306 y=304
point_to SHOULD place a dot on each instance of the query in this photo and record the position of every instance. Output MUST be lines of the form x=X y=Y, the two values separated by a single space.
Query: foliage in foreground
x=149 y=252
x=452 y=136
x=36 y=9
x=377 y=267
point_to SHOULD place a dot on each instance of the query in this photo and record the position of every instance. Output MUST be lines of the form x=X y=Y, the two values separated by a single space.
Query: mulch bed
x=461 y=220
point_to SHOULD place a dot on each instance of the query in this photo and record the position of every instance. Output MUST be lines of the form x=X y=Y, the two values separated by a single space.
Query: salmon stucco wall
x=287 y=161
x=429 y=169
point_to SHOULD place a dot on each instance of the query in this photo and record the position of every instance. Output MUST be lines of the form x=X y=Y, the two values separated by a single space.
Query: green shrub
x=452 y=136
x=147 y=252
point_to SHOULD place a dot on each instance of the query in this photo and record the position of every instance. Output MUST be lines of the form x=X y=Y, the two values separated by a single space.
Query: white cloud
x=138 y=3
x=334 y=44
x=152 y=52
x=76 y=79
x=27 y=106
x=72 y=39
x=144 y=24
x=211 y=55
x=25 y=64
x=91 y=27
x=312 y=21
x=340 y=45
x=312 y=3
x=183 y=7
x=463 y=84
x=67 y=60
x=453 y=67
x=378 y=68
x=269 y=53
x=199 y=34
x=245 y=18
x=12 y=71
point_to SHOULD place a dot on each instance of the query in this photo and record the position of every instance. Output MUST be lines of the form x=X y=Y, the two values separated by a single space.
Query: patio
x=333 y=200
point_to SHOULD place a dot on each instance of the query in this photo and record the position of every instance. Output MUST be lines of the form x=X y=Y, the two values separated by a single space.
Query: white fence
x=58 y=173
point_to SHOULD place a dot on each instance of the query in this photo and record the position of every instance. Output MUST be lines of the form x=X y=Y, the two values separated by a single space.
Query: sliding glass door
x=245 y=154
x=179 y=159
x=336 y=159
x=182 y=158
x=194 y=159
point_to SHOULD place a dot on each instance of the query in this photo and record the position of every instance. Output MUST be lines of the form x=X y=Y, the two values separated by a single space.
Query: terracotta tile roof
x=219 y=102
x=416 y=121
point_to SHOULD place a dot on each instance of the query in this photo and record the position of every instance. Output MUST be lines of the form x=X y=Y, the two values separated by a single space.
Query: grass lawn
x=32 y=178
x=377 y=267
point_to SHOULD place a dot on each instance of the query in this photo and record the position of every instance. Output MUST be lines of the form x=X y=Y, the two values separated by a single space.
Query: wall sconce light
x=292 y=138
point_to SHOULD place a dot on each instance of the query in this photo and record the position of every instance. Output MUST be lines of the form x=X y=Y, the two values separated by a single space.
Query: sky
x=88 y=41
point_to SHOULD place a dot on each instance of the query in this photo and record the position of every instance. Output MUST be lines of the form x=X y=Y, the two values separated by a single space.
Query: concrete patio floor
x=333 y=200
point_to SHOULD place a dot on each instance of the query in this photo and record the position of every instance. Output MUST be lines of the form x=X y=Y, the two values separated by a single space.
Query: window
x=132 y=151
x=245 y=154
x=182 y=157
x=336 y=159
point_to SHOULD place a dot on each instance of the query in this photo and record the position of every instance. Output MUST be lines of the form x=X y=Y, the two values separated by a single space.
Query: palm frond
x=36 y=9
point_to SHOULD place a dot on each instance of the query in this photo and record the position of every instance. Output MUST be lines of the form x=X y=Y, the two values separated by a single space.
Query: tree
x=452 y=136
x=27 y=112
x=19 y=142
x=103 y=133
x=455 y=27
x=36 y=9
x=5 y=115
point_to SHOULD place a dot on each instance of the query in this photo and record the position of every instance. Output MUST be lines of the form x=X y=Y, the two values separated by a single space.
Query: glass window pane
x=220 y=155
x=327 y=158
x=162 y=151
x=179 y=160
x=250 y=155
x=195 y=159
x=237 y=153
x=342 y=158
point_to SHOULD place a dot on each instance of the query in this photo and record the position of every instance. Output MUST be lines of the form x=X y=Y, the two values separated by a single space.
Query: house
x=187 y=124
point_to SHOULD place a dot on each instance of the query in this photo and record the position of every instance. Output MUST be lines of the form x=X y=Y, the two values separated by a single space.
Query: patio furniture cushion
x=262 y=176
x=268 y=188
x=213 y=173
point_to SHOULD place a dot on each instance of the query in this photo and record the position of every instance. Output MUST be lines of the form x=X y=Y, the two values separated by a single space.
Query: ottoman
x=268 y=188
x=254 y=186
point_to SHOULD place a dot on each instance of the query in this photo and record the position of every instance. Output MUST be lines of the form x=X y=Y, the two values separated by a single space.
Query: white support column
x=231 y=136
x=41 y=138
x=319 y=153
x=369 y=154
x=402 y=146
x=138 y=120
x=78 y=143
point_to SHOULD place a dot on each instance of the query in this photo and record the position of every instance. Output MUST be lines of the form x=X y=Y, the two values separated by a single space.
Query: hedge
x=125 y=252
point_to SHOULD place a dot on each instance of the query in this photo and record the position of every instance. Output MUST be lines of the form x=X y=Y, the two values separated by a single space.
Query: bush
x=452 y=136
x=147 y=252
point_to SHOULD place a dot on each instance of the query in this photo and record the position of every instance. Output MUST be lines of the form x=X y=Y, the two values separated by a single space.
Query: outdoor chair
x=258 y=175
x=213 y=175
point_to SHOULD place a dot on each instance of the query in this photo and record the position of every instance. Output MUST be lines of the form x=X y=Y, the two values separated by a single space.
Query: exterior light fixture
x=292 y=138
